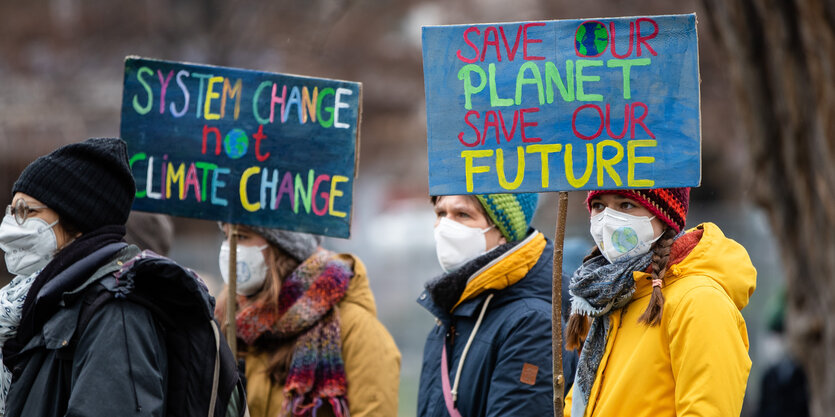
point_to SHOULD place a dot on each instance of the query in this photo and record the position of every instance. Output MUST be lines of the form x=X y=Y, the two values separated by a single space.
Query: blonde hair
x=279 y=266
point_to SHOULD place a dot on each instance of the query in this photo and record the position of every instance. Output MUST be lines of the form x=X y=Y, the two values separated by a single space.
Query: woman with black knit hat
x=63 y=238
x=656 y=311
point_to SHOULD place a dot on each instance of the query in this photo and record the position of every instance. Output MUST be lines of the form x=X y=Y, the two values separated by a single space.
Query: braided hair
x=578 y=325
x=660 y=257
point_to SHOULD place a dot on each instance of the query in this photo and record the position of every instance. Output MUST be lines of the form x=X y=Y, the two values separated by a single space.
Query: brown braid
x=577 y=327
x=594 y=252
x=576 y=331
x=660 y=257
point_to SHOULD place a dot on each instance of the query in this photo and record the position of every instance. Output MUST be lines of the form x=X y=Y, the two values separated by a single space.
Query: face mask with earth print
x=251 y=267
x=622 y=236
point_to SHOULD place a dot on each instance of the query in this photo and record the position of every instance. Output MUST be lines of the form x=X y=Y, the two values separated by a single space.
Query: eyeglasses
x=20 y=210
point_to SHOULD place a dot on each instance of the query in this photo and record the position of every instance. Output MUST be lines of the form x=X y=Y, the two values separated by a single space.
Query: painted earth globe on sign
x=236 y=143
x=591 y=39
x=624 y=239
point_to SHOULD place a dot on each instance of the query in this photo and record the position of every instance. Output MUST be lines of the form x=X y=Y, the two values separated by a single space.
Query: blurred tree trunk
x=781 y=54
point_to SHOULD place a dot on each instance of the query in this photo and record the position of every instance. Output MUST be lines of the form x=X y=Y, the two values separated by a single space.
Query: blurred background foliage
x=61 y=74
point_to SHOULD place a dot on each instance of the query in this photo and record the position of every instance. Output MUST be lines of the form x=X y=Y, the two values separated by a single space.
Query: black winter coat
x=116 y=367
x=116 y=359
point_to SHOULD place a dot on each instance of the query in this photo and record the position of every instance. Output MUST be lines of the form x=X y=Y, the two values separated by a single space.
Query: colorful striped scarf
x=307 y=313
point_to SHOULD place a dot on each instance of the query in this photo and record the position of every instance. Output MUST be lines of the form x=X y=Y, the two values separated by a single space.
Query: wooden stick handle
x=231 y=295
x=556 y=301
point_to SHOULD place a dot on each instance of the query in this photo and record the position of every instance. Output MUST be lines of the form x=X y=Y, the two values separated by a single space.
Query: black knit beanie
x=89 y=184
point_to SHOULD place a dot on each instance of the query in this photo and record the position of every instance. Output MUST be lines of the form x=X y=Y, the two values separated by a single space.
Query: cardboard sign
x=563 y=105
x=242 y=146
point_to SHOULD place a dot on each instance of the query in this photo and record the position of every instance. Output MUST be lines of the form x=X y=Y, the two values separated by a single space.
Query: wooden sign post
x=232 y=293
x=242 y=147
x=556 y=307
x=561 y=106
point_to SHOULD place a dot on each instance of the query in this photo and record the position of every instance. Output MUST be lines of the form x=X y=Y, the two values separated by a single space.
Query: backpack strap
x=236 y=406
x=216 y=377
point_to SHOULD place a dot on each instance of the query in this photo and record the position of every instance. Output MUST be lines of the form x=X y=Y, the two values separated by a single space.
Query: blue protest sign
x=242 y=146
x=563 y=105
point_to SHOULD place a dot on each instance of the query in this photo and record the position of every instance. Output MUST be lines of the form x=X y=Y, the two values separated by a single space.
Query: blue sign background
x=307 y=166
x=664 y=103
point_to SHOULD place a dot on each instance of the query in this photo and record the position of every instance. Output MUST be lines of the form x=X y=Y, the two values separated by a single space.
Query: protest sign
x=242 y=146
x=563 y=105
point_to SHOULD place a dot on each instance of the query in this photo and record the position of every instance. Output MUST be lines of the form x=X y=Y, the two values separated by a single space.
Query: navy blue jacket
x=515 y=335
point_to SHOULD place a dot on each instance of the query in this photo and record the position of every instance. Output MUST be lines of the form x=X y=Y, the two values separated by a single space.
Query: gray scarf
x=12 y=297
x=597 y=288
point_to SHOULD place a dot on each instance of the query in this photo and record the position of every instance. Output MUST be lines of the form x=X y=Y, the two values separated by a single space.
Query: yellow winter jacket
x=695 y=363
x=372 y=361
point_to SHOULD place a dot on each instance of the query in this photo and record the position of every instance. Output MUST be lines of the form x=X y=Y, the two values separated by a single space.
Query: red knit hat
x=669 y=204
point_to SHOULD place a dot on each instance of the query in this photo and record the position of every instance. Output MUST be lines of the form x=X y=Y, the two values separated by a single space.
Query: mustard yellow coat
x=372 y=360
x=695 y=363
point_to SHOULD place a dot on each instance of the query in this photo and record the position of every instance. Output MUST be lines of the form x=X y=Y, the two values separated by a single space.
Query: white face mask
x=251 y=267
x=456 y=244
x=622 y=236
x=28 y=247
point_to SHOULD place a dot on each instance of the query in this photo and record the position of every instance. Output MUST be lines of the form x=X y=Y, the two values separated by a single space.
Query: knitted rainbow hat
x=669 y=204
x=511 y=213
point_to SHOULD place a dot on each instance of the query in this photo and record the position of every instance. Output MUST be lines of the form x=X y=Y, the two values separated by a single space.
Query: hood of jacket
x=717 y=257
x=359 y=290
x=171 y=291
x=507 y=269
x=160 y=283
x=535 y=283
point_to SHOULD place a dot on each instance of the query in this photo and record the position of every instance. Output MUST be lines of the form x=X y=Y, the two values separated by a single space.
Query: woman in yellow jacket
x=656 y=312
x=307 y=328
